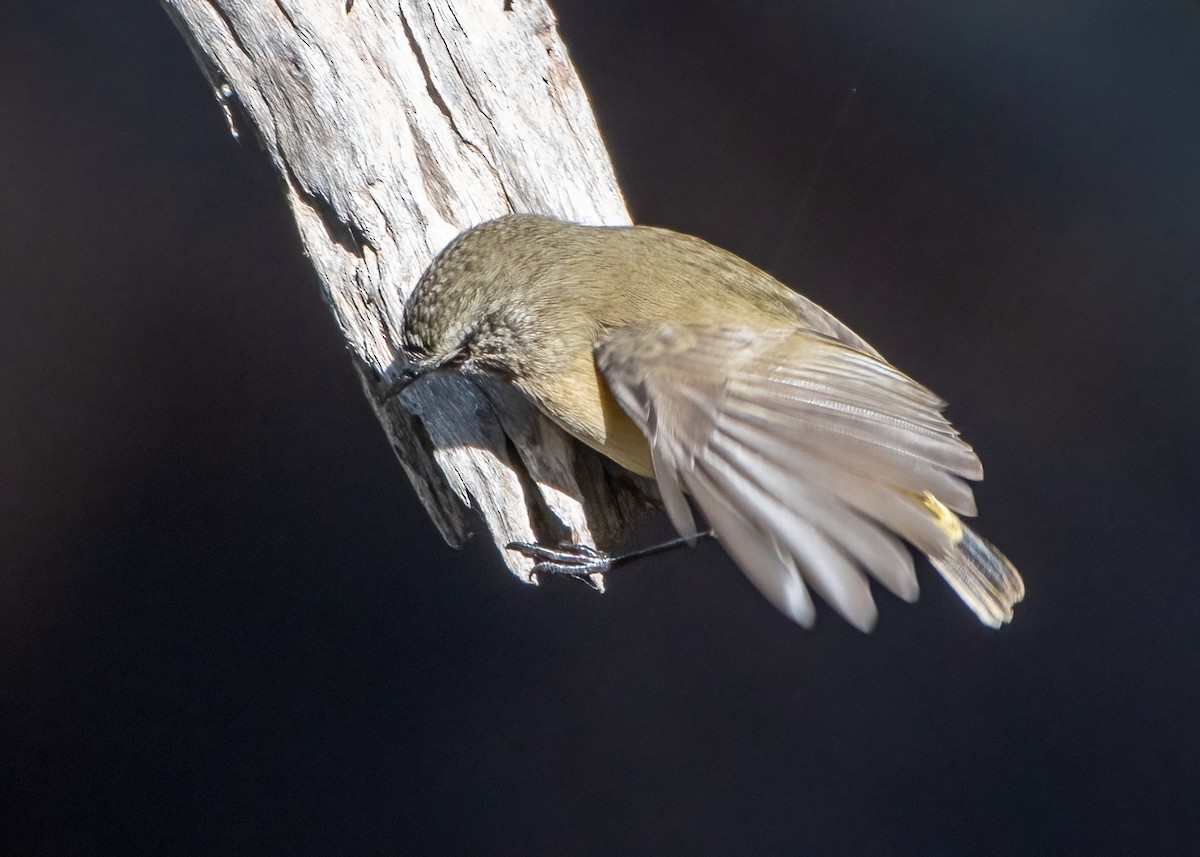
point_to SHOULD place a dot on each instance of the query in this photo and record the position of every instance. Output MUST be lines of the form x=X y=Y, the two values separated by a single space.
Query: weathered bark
x=395 y=125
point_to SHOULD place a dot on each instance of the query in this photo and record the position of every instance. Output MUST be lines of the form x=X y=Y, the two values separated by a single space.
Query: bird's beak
x=416 y=370
x=409 y=375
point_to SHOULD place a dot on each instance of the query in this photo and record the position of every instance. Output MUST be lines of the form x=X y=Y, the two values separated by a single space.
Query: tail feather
x=982 y=576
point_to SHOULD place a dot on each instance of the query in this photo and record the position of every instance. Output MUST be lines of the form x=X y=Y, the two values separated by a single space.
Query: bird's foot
x=577 y=561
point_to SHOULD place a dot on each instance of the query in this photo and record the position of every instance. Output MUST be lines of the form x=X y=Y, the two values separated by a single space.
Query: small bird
x=808 y=454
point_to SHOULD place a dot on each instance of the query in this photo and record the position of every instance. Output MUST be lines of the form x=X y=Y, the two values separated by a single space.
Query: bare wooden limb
x=395 y=125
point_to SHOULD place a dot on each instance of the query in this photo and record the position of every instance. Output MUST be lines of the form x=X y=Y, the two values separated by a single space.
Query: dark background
x=226 y=625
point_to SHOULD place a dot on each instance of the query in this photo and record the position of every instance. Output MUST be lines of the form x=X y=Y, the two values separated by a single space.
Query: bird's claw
x=577 y=561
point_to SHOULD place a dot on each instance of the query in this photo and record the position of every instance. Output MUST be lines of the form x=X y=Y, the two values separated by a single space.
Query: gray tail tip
x=982 y=576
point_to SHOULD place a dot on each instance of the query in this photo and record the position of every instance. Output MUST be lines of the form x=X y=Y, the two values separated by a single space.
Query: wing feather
x=757 y=553
x=867 y=544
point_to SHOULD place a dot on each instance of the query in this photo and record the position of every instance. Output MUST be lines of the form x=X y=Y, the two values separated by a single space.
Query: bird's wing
x=808 y=458
x=815 y=317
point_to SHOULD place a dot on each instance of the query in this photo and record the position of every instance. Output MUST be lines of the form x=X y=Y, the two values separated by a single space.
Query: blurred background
x=227 y=626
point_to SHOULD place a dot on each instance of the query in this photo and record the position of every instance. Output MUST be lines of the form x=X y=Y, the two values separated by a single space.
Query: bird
x=810 y=457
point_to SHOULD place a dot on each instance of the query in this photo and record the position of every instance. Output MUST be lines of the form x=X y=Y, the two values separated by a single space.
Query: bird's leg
x=579 y=561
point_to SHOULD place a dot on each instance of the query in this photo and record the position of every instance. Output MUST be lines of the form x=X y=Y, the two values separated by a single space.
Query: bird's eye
x=459 y=357
x=464 y=352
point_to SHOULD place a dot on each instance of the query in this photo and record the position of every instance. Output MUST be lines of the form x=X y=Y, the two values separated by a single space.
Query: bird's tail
x=979 y=573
